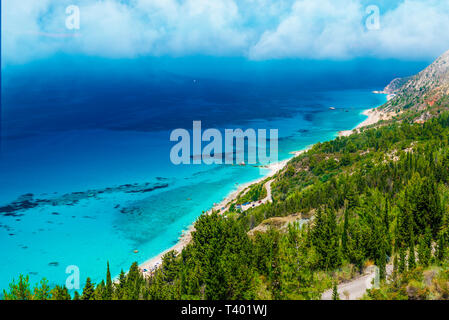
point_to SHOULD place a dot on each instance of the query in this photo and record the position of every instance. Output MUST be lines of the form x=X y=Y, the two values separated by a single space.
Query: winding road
x=268 y=198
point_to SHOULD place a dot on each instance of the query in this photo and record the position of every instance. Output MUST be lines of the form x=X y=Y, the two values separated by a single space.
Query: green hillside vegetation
x=421 y=283
x=255 y=193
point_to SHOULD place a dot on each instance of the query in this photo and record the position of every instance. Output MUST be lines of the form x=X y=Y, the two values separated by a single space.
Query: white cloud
x=415 y=29
x=114 y=28
x=314 y=29
x=210 y=27
x=258 y=29
x=336 y=29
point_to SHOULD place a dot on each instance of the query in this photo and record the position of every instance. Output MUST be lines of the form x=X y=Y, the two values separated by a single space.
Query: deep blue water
x=85 y=174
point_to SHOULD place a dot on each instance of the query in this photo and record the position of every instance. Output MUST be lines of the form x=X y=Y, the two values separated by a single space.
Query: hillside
x=422 y=96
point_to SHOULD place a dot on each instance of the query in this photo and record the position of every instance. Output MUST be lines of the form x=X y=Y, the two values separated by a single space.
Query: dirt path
x=355 y=289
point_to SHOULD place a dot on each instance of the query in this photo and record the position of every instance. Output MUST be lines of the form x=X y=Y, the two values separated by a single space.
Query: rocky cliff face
x=395 y=85
x=427 y=90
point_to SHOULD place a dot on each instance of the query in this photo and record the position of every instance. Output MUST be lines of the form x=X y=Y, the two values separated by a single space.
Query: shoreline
x=374 y=116
x=153 y=263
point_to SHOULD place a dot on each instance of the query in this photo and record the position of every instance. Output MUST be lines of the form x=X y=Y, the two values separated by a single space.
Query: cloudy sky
x=255 y=29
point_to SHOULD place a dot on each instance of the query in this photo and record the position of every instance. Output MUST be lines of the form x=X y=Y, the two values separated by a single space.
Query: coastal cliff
x=424 y=95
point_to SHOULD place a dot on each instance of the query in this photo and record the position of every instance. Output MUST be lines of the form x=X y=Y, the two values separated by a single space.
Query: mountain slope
x=422 y=96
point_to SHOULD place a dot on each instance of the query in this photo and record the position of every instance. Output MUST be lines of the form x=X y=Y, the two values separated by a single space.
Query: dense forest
x=379 y=197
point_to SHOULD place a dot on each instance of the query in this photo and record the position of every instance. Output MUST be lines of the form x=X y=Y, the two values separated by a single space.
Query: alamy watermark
x=189 y=149
x=372 y=21
x=73 y=280
x=73 y=19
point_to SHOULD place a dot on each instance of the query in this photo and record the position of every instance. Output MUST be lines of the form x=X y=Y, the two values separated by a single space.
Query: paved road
x=268 y=198
x=268 y=187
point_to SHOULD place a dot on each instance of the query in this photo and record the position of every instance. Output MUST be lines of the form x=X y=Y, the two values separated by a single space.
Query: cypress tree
x=109 y=288
x=386 y=221
x=276 y=275
x=335 y=294
x=382 y=265
x=344 y=236
x=425 y=248
x=326 y=239
x=441 y=249
x=395 y=267
x=411 y=256
x=402 y=264
x=435 y=208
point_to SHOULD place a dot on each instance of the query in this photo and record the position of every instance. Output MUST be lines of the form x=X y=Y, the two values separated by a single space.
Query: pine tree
x=170 y=267
x=60 y=293
x=236 y=263
x=134 y=282
x=325 y=239
x=421 y=207
x=351 y=197
x=356 y=248
x=42 y=291
x=120 y=287
x=88 y=291
x=19 y=291
x=100 y=291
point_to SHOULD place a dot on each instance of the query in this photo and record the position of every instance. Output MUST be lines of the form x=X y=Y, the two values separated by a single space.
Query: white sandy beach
x=152 y=264
x=374 y=116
